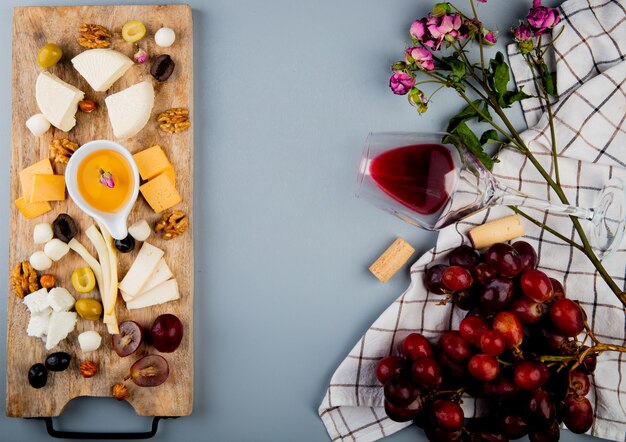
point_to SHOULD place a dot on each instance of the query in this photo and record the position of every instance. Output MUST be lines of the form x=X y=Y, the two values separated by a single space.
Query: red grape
x=404 y=414
x=559 y=291
x=577 y=413
x=492 y=343
x=567 y=317
x=527 y=310
x=484 y=273
x=454 y=373
x=426 y=373
x=456 y=278
x=128 y=340
x=578 y=382
x=536 y=285
x=504 y=259
x=416 y=346
x=455 y=346
x=550 y=434
x=432 y=278
x=472 y=328
x=441 y=435
x=552 y=339
x=500 y=388
x=491 y=436
x=590 y=362
x=150 y=371
x=166 y=333
x=483 y=367
x=530 y=375
x=390 y=367
x=527 y=255
x=400 y=391
x=497 y=295
x=467 y=299
x=540 y=410
x=510 y=327
x=464 y=256
x=447 y=415
x=513 y=426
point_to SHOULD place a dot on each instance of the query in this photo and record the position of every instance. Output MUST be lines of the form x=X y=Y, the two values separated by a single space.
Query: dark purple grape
x=447 y=415
x=455 y=346
x=441 y=435
x=590 y=362
x=400 y=391
x=577 y=413
x=432 y=278
x=484 y=273
x=128 y=340
x=551 y=433
x=559 y=291
x=527 y=255
x=404 y=414
x=454 y=373
x=527 y=310
x=540 y=411
x=464 y=256
x=500 y=388
x=426 y=373
x=513 y=426
x=166 y=333
x=504 y=259
x=497 y=295
x=491 y=436
x=578 y=382
x=468 y=299
x=390 y=367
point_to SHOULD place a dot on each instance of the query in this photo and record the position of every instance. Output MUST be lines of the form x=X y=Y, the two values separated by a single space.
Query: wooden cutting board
x=32 y=28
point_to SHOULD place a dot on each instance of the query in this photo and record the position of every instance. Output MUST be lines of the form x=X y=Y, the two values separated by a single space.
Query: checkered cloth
x=591 y=140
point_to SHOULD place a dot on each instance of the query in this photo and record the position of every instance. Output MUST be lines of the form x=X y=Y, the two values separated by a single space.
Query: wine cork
x=392 y=260
x=500 y=230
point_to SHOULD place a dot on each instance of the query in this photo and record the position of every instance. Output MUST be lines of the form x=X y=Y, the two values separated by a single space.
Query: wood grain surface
x=32 y=28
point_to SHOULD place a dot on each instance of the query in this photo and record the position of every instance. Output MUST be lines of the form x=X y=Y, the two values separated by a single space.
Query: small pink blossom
x=421 y=56
x=401 y=83
x=106 y=179
x=522 y=33
x=140 y=56
x=489 y=37
x=542 y=19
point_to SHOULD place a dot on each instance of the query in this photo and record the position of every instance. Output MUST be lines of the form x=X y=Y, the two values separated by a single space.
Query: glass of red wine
x=432 y=183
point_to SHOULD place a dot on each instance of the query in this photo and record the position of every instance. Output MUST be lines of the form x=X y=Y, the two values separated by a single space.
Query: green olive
x=88 y=309
x=49 y=55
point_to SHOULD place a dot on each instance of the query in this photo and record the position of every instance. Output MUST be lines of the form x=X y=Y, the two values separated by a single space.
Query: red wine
x=416 y=176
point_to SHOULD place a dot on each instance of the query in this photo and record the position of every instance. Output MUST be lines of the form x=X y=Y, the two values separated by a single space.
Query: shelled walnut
x=24 y=279
x=172 y=224
x=62 y=149
x=174 y=120
x=94 y=36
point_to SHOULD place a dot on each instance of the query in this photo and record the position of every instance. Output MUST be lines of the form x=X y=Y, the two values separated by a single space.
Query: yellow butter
x=151 y=162
x=43 y=167
x=47 y=188
x=32 y=210
x=160 y=193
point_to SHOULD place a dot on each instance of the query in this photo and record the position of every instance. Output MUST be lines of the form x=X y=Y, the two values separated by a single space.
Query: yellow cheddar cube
x=32 y=210
x=47 y=188
x=151 y=162
x=44 y=167
x=160 y=193
x=169 y=171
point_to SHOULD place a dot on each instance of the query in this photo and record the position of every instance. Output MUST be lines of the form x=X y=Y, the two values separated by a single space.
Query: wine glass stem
x=507 y=196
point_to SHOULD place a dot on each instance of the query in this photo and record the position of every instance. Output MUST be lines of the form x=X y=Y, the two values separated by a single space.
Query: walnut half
x=62 y=150
x=24 y=279
x=94 y=36
x=172 y=224
x=174 y=120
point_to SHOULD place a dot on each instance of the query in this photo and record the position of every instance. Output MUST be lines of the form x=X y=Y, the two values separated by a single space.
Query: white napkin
x=591 y=136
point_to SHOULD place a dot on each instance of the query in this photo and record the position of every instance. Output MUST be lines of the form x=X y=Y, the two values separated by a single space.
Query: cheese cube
x=37 y=302
x=44 y=167
x=60 y=299
x=47 y=188
x=169 y=171
x=168 y=291
x=61 y=325
x=39 y=323
x=160 y=193
x=151 y=162
x=32 y=210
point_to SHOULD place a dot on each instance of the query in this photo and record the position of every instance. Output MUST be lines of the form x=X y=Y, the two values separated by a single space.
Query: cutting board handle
x=104 y=436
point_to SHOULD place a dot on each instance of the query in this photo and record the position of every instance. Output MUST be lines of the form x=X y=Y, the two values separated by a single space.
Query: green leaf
x=466 y=114
x=501 y=77
x=456 y=66
x=489 y=137
x=511 y=97
x=441 y=9
x=473 y=144
x=485 y=111
x=548 y=80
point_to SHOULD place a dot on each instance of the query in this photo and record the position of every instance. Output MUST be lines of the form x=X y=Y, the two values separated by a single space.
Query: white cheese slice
x=161 y=274
x=168 y=291
x=142 y=268
x=57 y=100
x=60 y=299
x=61 y=325
x=101 y=67
x=37 y=302
x=39 y=323
x=130 y=109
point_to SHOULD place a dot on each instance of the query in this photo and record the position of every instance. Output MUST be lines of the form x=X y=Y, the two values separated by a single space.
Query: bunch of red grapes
x=516 y=349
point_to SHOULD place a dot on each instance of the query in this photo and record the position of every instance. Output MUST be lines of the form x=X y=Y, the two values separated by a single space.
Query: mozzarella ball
x=38 y=124
x=56 y=249
x=42 y=233
x=165 y=37
x=40 y=261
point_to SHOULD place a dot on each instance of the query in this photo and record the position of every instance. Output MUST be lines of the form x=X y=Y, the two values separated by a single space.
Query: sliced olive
x=58 y=361
x=38 y=376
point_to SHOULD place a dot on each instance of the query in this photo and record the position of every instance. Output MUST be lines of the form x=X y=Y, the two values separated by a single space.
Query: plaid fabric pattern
x=591 y=136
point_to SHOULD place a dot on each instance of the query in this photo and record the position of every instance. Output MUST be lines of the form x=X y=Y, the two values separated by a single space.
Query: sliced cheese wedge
x=168 y=291
x=130 y=109
x=57 y=100
x=161 y=274
x=142 y=268
x=101 y=67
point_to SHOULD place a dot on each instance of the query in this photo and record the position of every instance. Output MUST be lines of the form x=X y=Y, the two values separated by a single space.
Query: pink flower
x=421 y=56
x=489 y=37
x=401 y=83
x=522 y=33
x=418 y=29
x=447 y=27
x=542 y=19
x=106 y=179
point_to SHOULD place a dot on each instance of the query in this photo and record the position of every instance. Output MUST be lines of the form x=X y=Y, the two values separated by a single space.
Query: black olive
x=162 y=67
x=58 y=361
x=38 y=376
x=125 y=245
x=64 y=227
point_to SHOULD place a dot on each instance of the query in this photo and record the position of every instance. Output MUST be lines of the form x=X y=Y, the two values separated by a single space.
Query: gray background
x=286 y=92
